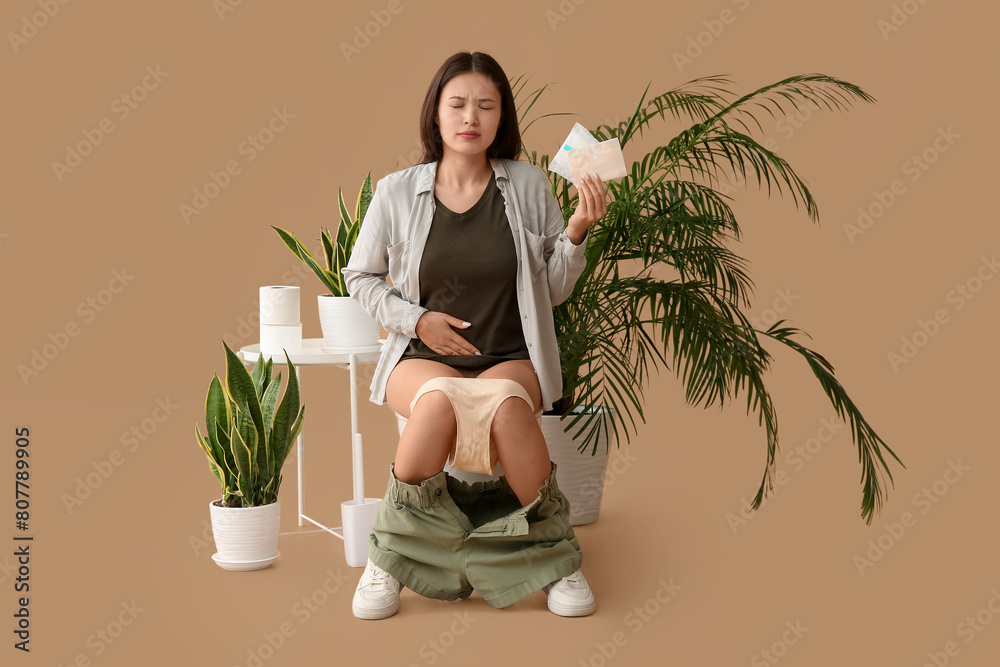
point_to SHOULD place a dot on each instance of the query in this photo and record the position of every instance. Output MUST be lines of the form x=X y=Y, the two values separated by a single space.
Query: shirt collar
x=426 y=181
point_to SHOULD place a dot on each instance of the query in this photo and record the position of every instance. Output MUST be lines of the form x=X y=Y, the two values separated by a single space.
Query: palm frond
x=517 y=86
x=813 y=89
x=687 y=101
x=869 y=444
x=738 y=149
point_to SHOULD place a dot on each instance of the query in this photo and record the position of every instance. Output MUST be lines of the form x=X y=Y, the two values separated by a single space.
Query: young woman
x=477 y=251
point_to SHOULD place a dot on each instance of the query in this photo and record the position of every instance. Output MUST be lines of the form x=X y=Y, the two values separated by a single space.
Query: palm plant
x=622 y=320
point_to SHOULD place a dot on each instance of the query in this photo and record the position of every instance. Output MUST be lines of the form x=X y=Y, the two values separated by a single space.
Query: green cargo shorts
x=445 y=538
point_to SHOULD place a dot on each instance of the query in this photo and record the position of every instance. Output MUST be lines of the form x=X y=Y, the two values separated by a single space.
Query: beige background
x=139 y=538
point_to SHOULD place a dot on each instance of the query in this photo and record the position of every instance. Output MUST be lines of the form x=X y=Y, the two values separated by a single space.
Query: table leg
x=356 y=462
x=299 y=449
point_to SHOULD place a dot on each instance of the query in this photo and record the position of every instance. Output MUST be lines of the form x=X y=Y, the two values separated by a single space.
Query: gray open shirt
x=391 y=242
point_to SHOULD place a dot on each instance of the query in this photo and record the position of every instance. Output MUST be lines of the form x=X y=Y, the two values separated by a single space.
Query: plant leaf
x=308 y=259
x=241 y=387
x=287 y=409
x=266 y=455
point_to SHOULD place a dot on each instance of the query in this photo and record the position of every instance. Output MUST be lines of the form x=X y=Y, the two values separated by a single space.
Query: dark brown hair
x=507 y=143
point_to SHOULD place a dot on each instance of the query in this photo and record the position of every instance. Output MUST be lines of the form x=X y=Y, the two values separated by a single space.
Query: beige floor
x=120 y=297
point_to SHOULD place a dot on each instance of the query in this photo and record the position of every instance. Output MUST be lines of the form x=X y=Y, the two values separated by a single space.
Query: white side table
x=359 y=513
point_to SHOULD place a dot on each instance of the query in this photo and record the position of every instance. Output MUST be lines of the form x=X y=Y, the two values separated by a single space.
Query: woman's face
x=468 y=113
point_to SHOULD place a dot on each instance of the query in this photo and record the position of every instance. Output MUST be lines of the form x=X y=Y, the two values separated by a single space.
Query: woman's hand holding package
x=591 y=207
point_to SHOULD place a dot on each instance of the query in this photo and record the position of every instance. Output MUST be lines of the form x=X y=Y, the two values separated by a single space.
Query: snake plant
x=249 y=432
x=627 y=316
x=336 y=253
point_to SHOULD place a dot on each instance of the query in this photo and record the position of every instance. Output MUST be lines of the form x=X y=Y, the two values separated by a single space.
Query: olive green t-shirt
x=469 y=270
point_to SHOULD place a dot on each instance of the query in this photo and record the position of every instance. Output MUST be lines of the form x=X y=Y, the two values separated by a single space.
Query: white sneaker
x=570 y=596
x=377 y=595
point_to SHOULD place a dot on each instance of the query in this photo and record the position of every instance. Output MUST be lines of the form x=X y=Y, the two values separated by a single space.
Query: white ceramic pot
x=345 y=323
x=580 y=476
x=246 y=538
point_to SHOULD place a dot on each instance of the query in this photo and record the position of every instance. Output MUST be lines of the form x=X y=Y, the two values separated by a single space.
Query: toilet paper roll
x=277 y=337
x=279 y=304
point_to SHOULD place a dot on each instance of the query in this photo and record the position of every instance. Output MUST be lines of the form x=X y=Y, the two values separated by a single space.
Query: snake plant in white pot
x=662 y=284
x=249 y=434
x=344 y=322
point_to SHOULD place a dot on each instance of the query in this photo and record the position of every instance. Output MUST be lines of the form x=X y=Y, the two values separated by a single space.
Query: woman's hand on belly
x=437 y=331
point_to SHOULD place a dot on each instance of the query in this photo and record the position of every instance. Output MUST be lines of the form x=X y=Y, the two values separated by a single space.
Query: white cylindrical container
x=358 y=519
x=277 y=337
x=345 y=323
x=279 y=304
x=246 y=538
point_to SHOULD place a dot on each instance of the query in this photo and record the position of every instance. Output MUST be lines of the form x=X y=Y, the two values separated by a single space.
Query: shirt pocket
x=398 y=253
x=535 y=248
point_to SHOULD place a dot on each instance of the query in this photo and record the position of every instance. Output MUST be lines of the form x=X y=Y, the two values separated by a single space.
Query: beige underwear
x=475 y=401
